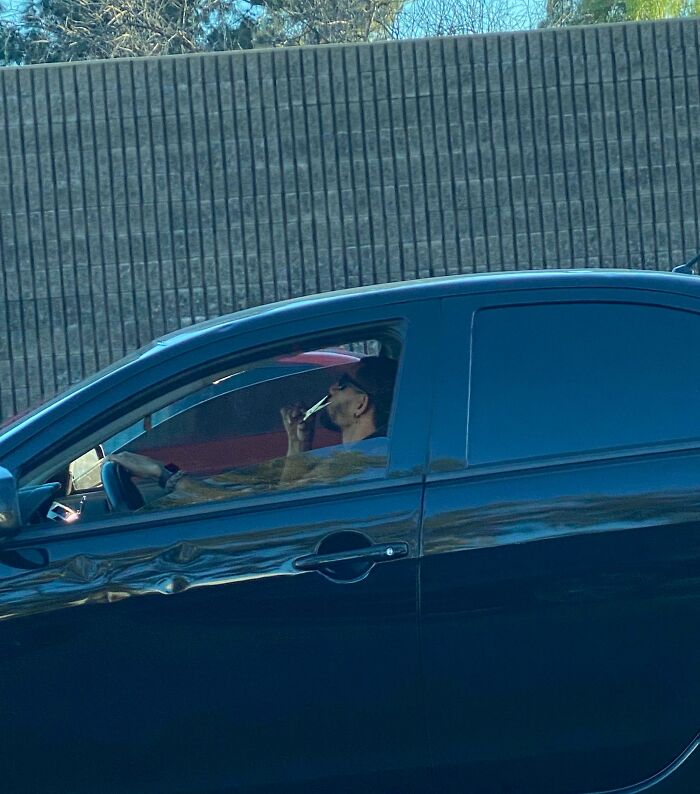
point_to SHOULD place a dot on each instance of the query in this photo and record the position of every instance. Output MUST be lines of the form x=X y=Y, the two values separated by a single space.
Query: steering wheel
x=120 y=490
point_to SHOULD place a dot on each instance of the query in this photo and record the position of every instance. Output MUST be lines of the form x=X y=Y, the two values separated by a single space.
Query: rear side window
x=566 y=379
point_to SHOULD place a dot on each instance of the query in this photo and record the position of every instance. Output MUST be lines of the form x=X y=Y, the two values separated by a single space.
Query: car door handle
x=382 y=552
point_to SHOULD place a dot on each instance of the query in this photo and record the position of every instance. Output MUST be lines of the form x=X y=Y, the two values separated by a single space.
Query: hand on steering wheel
x=121 y=492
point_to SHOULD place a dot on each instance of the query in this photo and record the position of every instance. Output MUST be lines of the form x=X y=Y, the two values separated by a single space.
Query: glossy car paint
x=183 y=651
x=541 y=634
x=231 y=672
x=560 y=604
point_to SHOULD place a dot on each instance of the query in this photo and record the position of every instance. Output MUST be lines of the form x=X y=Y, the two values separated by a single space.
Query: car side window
x=85 y=471
x=573 y=378
x=251 y=430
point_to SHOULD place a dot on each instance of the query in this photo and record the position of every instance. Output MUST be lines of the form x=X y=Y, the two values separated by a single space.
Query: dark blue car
x=496 y=588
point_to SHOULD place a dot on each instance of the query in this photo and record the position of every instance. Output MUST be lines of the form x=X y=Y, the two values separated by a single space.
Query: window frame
x=256 y=407
x=449 y=447
x=176 y=385
x=403 y=466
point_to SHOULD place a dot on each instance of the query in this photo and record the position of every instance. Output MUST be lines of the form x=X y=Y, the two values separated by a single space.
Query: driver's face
x=346 y=398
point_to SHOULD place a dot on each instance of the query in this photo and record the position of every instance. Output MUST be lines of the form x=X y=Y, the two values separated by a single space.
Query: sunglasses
x=346 y=380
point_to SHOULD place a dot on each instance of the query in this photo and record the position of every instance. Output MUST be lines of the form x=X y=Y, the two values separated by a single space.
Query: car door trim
x=136 y=521
x=659 y=777
x=629 y=454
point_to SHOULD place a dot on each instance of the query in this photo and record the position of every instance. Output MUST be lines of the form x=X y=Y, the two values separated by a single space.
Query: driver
x=357 y=406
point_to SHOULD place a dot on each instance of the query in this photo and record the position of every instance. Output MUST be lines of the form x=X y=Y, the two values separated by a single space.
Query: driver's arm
x=149 y=469
x=218 y=487
x=300 y=435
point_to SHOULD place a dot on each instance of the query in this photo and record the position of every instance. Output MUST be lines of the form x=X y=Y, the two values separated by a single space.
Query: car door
x=560 y=584
x=209 y=649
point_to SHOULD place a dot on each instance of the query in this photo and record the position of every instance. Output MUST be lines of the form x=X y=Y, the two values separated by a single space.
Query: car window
x=230 y=436
x=85 y=471
x=572 y=378
x=232 y=404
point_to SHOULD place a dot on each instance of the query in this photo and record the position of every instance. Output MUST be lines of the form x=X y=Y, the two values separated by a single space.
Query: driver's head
x=362 y=395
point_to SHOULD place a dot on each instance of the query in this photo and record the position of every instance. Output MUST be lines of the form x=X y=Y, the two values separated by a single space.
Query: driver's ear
x=362 y=405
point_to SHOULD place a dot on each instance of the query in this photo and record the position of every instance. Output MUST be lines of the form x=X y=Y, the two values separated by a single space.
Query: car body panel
x=191 y=656
x=539 y=635
x=186 y=650
x=560 y=601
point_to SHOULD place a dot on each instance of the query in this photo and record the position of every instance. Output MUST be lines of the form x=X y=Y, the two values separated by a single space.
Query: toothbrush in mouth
x=322 y=403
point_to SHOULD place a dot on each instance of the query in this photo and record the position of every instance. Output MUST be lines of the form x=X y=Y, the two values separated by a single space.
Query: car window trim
x=590 y=453
x=180 y=384
x=129 y=522
x=526 y=466
x=404 y=468
x=448 y=455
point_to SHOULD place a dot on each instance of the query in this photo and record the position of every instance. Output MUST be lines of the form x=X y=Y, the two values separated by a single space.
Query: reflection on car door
x=560 y=603
x=268 y=679
x=120 y=675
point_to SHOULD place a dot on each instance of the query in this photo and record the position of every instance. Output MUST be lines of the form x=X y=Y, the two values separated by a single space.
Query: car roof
x=393 y=293
x=443 y=286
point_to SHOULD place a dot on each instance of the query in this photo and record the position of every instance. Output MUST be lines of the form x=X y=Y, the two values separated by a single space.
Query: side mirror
x=10 y=521
x=85 y=471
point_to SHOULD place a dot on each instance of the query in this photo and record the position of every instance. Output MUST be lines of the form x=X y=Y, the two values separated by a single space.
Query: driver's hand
x=300 y=434
x=139 y=465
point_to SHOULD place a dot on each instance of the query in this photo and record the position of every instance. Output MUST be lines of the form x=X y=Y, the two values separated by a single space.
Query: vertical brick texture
x=139 y=196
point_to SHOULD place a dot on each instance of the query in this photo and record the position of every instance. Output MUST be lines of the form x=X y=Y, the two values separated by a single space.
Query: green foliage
x=661 y=9
x=68 y=30
x=589 y=12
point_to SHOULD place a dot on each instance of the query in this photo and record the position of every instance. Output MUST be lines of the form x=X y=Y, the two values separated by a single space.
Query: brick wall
x=138 y=196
